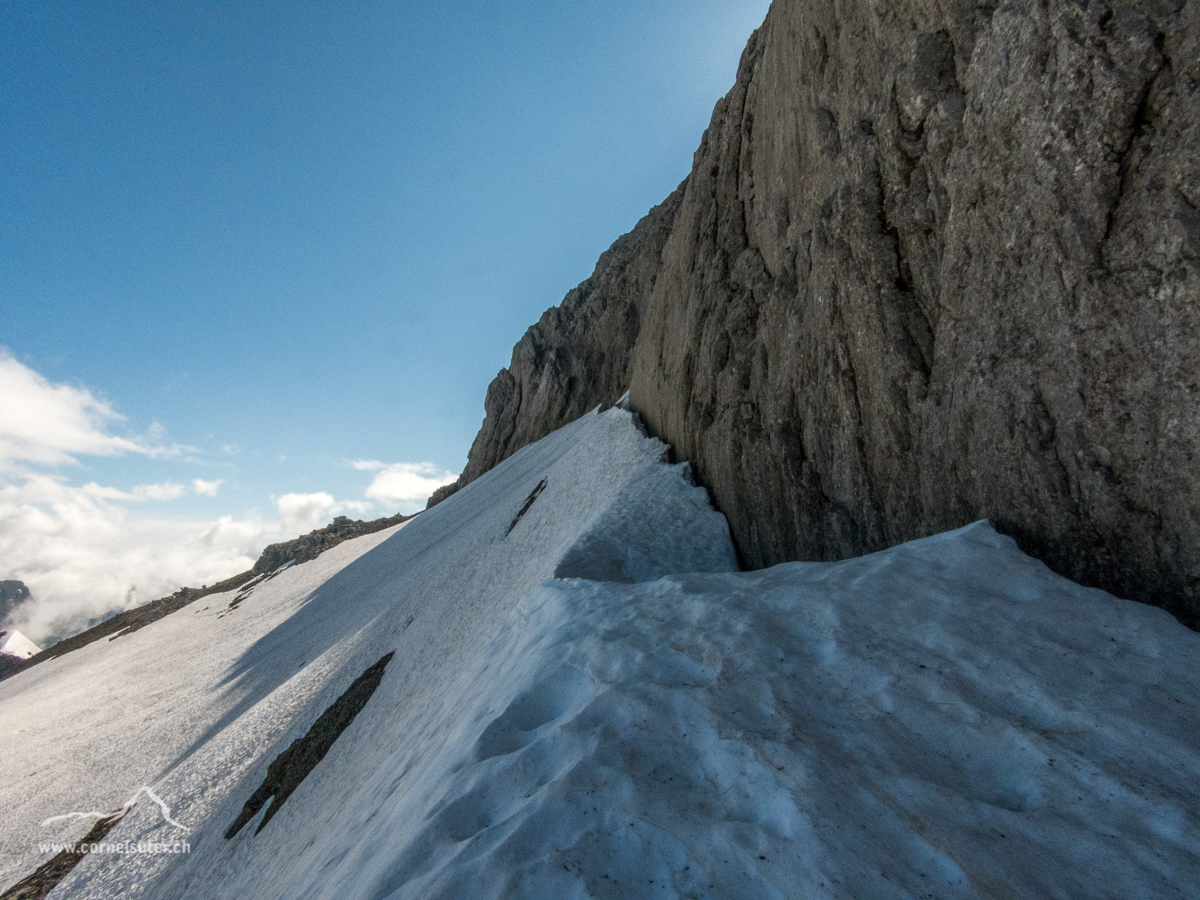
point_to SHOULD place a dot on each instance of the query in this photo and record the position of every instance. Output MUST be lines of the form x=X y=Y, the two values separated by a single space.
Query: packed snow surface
x=13 y=643
x=596 y=703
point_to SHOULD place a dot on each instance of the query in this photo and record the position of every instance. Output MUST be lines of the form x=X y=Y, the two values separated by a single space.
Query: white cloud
x=301 y=513
x=83 y=556
x=228 y=529
x=207 y=488
x=167 y=490
x=81 y=550
x=407 y=485
x=50 y=424
x=368 y=465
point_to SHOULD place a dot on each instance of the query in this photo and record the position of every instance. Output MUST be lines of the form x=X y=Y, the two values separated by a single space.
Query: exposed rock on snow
x=945 y=718
x=39 y=884
x=533 y=495
x=934 y=262
x=292 y=766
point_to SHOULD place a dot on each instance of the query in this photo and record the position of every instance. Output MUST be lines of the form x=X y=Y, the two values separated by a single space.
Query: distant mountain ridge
x=15 y=648
x=934 y=262
x=12 y=595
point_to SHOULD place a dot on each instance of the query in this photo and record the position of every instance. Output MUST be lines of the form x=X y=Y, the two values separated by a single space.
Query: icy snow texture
x=947 y=718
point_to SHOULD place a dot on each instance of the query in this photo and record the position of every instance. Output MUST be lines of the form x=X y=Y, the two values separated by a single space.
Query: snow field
x=85 y=731
x=870 y=728
x=598 y=704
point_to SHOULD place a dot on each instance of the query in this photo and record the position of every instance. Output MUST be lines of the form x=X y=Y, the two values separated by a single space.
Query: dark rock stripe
x=291 y=767
x=46 y=878
x=533 y=495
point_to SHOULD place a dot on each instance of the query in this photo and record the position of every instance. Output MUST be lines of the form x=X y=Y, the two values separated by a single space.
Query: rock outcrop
x=311 y=545
x=935 y=261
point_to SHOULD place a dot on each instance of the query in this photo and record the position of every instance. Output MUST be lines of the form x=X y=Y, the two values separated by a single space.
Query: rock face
x=935 y=261
x=12 y=595
x=578 y=355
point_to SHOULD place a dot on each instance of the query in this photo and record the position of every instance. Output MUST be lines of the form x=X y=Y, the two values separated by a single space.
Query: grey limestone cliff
x=935 y=261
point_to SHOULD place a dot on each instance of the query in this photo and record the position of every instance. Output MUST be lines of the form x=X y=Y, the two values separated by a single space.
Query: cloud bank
x=407 y=485
x=87 y=551
x=207 y=488
x=84 y=556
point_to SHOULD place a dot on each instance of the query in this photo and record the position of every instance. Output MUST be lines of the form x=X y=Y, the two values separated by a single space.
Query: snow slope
x=947 y=718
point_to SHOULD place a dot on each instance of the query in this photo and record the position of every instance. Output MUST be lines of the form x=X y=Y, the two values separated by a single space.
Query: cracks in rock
x=791 y=435
x=904 y=279
x=921 y=87
x=1143 y=122
x=1045 y=432
x=917 y=328
x=847 y=372
x=822 y=52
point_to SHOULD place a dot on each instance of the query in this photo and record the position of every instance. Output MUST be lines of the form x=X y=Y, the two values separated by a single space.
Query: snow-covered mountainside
x=13 y=643
x=557 y=684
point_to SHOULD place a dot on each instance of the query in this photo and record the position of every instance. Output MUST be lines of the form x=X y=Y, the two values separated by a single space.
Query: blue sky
x=274 y=239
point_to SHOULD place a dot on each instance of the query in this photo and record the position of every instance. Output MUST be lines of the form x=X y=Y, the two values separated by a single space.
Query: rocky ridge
x=934 y=262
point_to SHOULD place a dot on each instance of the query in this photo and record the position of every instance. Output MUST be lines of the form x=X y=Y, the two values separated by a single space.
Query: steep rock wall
x=935 y=261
